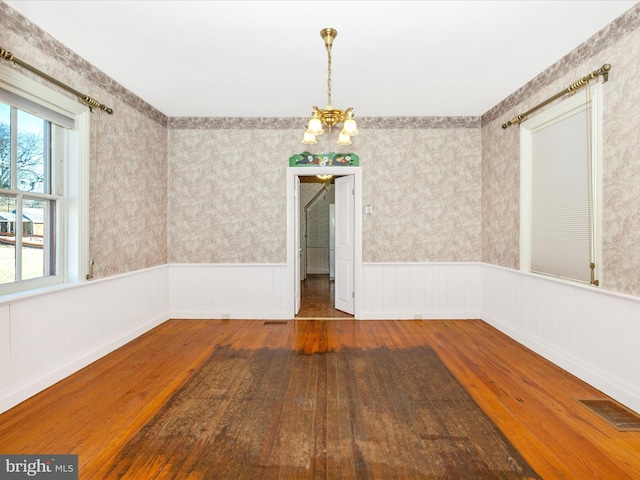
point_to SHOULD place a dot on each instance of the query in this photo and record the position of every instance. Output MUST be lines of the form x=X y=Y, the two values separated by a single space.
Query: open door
x=297 y=246
x=344 y=244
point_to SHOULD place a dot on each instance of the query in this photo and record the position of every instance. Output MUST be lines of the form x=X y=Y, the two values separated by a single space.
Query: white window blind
x=37 y=109
x=561 y=188
x=561 y=232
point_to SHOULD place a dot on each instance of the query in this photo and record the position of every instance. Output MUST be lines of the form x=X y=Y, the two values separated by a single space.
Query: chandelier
x=330 y=115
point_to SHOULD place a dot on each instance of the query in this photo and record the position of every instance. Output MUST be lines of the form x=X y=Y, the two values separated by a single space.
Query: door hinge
x=353 y=294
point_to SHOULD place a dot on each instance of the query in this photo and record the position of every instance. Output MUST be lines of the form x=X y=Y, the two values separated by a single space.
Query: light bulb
x=315 y=126
x=309 y=138
x=344 y=139
x=349 y=127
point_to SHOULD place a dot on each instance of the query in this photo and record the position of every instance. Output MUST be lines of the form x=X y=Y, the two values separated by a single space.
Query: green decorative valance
x=332 y=159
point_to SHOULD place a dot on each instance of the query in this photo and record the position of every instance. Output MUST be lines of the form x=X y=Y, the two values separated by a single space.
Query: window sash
x=32 y=269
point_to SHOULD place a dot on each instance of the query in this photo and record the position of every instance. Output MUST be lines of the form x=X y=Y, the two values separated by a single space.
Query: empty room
x=319 y=239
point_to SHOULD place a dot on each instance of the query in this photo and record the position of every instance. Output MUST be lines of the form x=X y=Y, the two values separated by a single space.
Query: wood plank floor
x=318 y=298
x=96 y=412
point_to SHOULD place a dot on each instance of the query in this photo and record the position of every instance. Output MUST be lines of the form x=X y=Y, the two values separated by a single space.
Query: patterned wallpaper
x=128 y=192
x=229 y=195
x=318 y=218
x=426 y=198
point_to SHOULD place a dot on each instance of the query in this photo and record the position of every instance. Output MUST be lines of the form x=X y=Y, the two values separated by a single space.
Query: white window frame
x=564 y=109
x=73 y=215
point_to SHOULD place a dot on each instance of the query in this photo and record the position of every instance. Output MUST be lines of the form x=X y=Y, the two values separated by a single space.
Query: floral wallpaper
x=423 y=185
x=424 y=191
x=318 y=218
x=128 y=193
x=227 y=195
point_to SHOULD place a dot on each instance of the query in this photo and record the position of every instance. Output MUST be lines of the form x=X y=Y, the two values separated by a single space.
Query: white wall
x=421 y=290
x=318 y=260
x=228 y=290
x=47 y=336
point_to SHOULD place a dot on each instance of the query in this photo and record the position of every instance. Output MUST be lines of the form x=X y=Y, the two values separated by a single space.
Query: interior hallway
x=317 y=299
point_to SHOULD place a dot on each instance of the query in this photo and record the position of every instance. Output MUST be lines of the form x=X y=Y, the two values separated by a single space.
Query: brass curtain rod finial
x=605 y=72
x=6 y=55
x=514 y=120
x=94 y=103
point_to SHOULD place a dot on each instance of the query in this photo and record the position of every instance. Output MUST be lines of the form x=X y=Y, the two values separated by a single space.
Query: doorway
x=348 y=245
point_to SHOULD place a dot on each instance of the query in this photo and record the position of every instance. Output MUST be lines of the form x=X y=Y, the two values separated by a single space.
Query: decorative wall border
x=297 y=123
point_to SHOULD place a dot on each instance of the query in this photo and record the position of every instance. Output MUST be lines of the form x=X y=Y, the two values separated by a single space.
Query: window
x=561 y=189
x=43 y=185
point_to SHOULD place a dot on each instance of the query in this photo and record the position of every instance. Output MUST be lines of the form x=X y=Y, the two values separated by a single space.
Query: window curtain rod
x=8 y=56
x=604 y=71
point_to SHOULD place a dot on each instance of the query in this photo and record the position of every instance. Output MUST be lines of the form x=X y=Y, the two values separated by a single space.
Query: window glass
x=27 y=210
x=31 y=152
x=5 y=146
x=7 y=239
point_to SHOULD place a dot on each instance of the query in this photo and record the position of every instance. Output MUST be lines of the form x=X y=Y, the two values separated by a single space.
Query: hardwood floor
x=96 y=412
x=318 y=298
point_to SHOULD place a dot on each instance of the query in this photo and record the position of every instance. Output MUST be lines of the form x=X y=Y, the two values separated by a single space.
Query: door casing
x=292 y=173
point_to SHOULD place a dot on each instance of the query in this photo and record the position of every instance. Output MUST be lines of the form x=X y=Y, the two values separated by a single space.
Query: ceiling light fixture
x=330 y=115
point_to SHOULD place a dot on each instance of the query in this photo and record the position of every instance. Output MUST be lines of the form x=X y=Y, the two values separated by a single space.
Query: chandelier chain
x=329 y=76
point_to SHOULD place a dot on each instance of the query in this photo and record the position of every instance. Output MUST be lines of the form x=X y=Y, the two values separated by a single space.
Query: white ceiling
x=267 y=59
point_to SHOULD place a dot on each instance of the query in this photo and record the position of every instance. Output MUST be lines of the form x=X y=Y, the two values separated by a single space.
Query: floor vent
x=276 y=322
x=617 y=415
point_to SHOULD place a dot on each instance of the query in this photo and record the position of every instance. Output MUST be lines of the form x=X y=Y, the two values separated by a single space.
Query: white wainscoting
x=420 y=290
x=318 y=260
x=245 y=291
x=590 y=332
x=49 y=335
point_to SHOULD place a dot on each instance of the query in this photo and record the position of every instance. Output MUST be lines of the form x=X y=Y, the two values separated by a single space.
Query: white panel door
x=298 y=249
x=345 y=244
